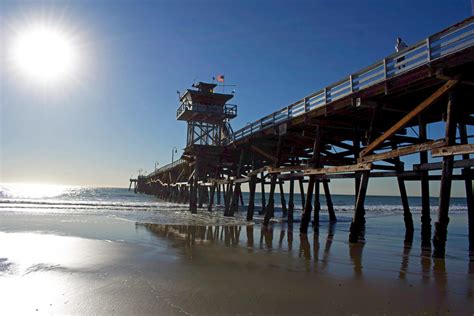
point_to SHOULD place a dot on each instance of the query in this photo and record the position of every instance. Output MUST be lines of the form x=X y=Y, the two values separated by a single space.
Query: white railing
x=229 y=110
x=449 y=41
x=167 y=167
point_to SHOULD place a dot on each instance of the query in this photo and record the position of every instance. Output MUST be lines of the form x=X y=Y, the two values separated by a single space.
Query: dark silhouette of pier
x=355 y=128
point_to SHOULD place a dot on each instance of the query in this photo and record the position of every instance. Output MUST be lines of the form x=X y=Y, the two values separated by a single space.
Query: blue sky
x=117 y=114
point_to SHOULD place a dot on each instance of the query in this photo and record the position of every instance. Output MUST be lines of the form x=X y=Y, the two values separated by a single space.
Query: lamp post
x=174 y=150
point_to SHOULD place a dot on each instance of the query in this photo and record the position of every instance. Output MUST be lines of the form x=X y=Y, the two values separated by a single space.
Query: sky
x=115 y=112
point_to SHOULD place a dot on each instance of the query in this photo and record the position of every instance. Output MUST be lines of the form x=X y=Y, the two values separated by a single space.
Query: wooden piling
x=317 y=203
x=407 y=217
x=358 y=222
x=211 y=198
x=218 y=194
x=469 y=193
x=262 y=188
x=291 y=205
x=270 y=208
x=306 y=216
x=327 y=194
x=283 y=201
x=425 y=192
x=193 y=195
x=303 y=200
x=251 y=204
x=441 y=226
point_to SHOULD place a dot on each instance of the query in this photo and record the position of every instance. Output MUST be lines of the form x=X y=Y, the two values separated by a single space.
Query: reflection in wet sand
x=327 y=247
x=355 y=252
x=231 y=236
x=405 y=258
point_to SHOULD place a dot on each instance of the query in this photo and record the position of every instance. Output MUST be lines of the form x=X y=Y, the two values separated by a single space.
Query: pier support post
x=358 y=222
x=317 y=203
x=469 y=193
x=228 y=199
x=306 y=216
x=407 y=217
x=251 y=205
x=327 y=194
x=283 y=200
x=235 y=198
x=201 y=196
x=302 y=193
x=441 y=226
x=270 y=208
x=193 y=193
x=425 y=193
x=218 y=194
x=211 y=198
x=262 y=186
x=291 y=204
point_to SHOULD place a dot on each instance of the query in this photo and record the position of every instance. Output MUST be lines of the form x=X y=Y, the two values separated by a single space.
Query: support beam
x=407 y=118
x=263 y=153
x=403 y=151
x=453 y=150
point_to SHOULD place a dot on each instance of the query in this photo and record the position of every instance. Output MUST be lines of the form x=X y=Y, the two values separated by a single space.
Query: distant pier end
x=359 y=127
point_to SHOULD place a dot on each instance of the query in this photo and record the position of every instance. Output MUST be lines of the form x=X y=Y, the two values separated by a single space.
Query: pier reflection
x=321 y=250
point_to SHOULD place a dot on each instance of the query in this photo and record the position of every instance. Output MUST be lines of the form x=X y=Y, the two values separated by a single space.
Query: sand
x=64 y=264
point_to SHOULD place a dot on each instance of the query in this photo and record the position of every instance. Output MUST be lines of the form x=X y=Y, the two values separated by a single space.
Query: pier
x=360 y=127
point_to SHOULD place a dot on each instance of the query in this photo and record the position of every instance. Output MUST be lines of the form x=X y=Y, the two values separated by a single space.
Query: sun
x=44 y=53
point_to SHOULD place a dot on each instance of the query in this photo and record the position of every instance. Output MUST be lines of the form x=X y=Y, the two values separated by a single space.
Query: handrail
x=167 y=167
x=449 y=41
x=226 y=109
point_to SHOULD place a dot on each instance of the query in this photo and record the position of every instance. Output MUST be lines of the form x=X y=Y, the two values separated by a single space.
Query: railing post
x=288 y=112
x=385 y=76
x=305 y=100
x=350 y=83
x=325 y=95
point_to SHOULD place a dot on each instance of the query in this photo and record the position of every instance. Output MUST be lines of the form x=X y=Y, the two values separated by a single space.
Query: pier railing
x=449 y=41
x=167 y=167
x=228 y=110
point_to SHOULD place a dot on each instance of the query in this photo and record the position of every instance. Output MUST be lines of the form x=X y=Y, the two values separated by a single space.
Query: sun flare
x=44 y=53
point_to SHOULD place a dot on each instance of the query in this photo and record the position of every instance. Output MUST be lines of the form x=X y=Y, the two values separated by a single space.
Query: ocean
x=122 y=203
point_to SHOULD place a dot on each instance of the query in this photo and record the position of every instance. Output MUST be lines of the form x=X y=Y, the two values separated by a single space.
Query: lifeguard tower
x=208 y=115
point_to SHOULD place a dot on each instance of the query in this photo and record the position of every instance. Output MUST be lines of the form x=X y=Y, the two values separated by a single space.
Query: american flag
x=220 y=78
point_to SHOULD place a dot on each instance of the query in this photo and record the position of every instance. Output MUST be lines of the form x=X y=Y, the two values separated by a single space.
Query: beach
x=80 y=261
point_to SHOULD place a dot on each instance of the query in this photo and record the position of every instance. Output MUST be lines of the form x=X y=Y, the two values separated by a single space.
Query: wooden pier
x=360 y=127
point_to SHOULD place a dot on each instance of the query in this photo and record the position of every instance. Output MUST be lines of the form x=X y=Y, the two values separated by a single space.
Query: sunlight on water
x=33 y=190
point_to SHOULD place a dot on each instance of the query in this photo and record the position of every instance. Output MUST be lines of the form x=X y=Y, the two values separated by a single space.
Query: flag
x=220 y=78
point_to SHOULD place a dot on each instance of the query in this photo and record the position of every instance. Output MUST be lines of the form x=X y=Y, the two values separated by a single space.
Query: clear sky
x=115 y=113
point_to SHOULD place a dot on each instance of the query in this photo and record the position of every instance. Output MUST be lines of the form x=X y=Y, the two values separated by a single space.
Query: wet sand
x=52 y=264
